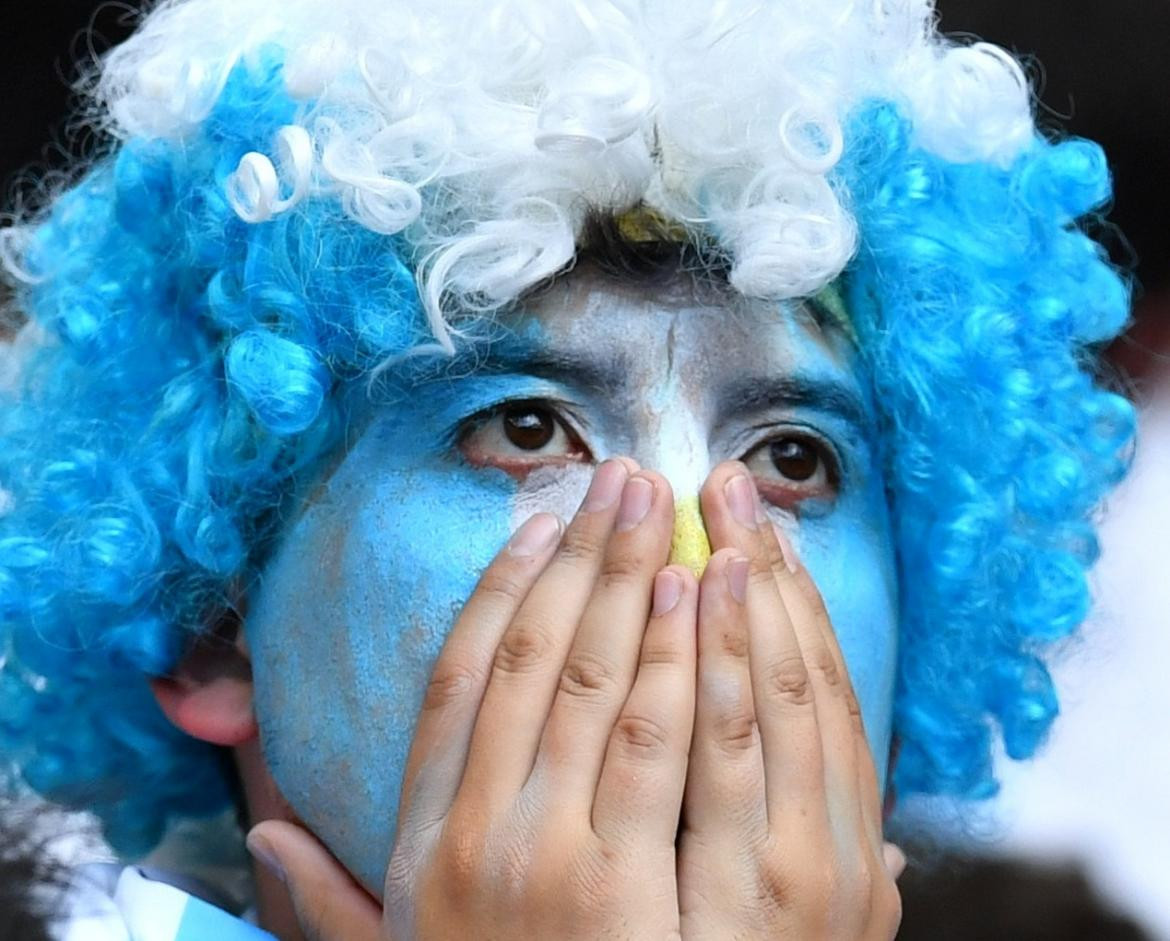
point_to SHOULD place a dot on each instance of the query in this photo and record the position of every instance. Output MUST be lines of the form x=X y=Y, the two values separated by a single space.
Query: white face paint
x=355 y=606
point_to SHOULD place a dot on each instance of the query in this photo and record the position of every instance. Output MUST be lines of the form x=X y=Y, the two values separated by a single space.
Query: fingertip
x=605 y=489
x=722 y=472
x=674 y=586
x=630 y=464
x=717 y=567
x=724 y=556
x=667 y=592
x=710 y=494
x=328 y=902
x=894 y=859
x=662 y=488
x=261 y=847
x=286 y=848
x=690 y=582
x=738 y=570
x=538 y=535
x=724 y=526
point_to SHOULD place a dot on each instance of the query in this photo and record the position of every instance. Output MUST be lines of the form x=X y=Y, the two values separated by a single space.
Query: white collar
x=128 y=905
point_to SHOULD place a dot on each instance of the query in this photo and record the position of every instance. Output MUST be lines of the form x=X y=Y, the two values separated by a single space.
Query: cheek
x=558 y=490
x=345 y=630
x=851 y=559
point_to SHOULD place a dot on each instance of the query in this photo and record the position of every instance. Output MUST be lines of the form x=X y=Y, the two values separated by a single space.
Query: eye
x=530 y=429
x=794 y=466
x=795 y=459
x=519 y=436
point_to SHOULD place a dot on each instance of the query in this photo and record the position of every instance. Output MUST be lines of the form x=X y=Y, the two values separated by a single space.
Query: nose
x=689 y=544
x=675 y=445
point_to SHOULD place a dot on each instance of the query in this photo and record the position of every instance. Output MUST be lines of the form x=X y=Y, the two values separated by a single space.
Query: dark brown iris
x=795 y=459
x=529 y=428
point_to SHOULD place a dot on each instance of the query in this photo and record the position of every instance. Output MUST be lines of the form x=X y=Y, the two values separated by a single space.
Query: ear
x=209 y=695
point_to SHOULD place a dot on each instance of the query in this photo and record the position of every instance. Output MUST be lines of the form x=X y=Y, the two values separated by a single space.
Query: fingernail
x=786 y=548
x=737 y=578
x=262 y=850
x=538 y=535
x=636 y=499
x=741 y=499
x=667 y=591
x=606 y=487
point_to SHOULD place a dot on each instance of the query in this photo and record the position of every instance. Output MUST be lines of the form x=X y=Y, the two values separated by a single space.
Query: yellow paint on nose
x=689 y=545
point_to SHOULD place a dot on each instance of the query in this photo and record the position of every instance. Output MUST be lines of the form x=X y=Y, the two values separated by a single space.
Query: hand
x=542 y=794
x=782 y=835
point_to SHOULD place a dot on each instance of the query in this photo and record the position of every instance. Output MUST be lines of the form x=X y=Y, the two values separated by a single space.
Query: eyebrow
x=759 y=393
x=610 y=374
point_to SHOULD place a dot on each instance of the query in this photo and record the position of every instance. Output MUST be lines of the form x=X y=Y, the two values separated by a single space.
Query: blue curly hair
x=196 y=367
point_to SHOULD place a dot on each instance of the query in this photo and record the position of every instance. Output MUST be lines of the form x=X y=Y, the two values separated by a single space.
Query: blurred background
x=1077 y=845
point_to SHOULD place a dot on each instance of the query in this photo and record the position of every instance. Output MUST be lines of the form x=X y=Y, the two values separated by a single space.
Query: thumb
x=895 y=859
x=330 y=905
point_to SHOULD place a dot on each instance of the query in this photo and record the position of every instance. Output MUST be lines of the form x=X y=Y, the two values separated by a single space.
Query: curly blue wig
x=204 y=325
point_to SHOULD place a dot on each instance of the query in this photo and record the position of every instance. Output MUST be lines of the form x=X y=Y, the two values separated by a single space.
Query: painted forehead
x=615 y=335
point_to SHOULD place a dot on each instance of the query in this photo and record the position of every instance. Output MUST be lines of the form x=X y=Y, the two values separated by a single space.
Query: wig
x=297 y=195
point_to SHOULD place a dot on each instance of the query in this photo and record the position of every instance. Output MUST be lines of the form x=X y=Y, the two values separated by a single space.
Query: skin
x=573 y=714
x=353 y=610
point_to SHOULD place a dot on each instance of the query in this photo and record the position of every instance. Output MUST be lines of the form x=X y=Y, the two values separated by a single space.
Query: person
x=359 y=294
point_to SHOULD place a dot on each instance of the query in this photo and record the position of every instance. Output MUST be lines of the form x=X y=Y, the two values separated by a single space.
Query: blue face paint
x=354 y=607
x=351 y=614
x=847 y=550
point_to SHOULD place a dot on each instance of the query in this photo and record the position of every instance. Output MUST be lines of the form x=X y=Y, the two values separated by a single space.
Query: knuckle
x=775 y=881
x=776 y=563
x=660 y=654
x=787 y=680
x=820 y=618
x=523 y=648
x=736 y=730
x=734 y=642
x=822 y=661
x=641 y=737
x=460 y=861
x=580 y=546
x=499 y=584
x=854 y=707
x=448 y=685
x=809 y=890
x=760 y=571
x=622 y=568
x=588 y=677
x=785 y=888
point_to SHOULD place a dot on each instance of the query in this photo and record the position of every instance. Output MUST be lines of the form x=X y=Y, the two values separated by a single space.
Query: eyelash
x=778 y=494
x=793 y=429
x=556 y=410
x=789 y=496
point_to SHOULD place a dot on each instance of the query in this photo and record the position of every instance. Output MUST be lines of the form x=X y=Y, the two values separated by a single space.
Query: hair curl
x=301 y=196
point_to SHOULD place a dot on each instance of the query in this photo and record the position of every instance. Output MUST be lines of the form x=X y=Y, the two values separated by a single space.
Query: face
x=353 y=609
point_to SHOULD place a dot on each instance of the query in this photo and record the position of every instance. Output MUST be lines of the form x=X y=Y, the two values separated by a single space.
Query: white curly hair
x=487 y=131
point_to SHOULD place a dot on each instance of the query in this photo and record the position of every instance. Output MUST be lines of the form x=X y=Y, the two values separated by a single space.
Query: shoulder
x=113 y=904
